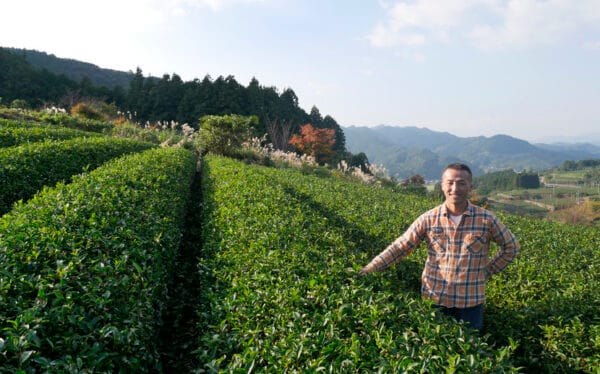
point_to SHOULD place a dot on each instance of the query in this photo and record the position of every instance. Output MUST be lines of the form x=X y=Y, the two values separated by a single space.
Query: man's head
x=459 y=166
x=457 y=183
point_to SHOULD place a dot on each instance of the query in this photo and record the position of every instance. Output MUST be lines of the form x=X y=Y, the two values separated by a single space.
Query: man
x=458 y=236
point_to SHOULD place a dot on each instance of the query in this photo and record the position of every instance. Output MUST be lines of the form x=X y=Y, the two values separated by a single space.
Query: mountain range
x=410 y=150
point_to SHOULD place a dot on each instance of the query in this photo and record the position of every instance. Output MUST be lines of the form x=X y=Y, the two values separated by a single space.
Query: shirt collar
x=467 y=212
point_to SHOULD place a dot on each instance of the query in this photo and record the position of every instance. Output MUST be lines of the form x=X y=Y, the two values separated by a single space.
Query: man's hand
x=364 y=271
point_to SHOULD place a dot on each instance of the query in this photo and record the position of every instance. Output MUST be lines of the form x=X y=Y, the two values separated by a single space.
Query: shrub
x=85 y=266
x=126 y=129
x=87 y=111
x=27 y=168
x=19 y=104
x=27 y=132
x=76 y=123
x=224 y=135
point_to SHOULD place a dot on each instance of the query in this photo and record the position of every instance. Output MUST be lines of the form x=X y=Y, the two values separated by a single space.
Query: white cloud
x=412 y=56
x=382 y=37
x=592 y=45
x=529 y=22
x=417 y=23
x=487 y=24
x=367 y=72
x=216 y=5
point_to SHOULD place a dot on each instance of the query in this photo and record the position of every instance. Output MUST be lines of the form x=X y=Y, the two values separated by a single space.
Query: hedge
x=27 y=168
x=84 y=267
x=12 y=136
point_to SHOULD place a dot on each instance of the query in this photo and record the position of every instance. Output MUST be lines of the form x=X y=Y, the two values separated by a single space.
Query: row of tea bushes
x=548 y=300
x=27 y=168
x=281 y=293
x=65 y=120
x=13 y=136
x=84 y=266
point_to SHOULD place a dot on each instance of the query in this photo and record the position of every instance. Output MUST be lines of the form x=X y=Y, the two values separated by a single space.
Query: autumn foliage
x=315 y=142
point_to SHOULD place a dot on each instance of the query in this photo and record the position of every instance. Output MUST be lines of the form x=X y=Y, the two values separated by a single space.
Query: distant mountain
x=406 y=151
x=577 y=151
x=76 y=70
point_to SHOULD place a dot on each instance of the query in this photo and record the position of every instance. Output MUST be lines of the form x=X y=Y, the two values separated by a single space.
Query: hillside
x=76 y=70
x=406 y=151
x=143 y=263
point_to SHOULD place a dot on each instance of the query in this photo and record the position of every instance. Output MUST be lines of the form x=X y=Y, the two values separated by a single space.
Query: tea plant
x=281 y=253
x=27 y=168
x=65 y=120
x=12 y=136
x=84 y=267
x=548 y=301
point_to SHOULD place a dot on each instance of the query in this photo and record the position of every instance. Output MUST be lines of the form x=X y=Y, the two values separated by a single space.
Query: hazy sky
x=526 y=68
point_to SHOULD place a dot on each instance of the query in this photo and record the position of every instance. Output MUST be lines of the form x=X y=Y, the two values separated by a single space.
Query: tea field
x=281 y=254
x=134 y=259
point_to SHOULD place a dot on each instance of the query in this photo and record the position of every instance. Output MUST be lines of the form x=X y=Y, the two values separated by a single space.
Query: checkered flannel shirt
x=458 y=262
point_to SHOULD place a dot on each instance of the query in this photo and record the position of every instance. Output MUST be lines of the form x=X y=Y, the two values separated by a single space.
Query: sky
x=524 y=68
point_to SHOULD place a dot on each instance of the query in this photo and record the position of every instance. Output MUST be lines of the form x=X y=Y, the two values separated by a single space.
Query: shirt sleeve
x=400 y=248
x=508 y=247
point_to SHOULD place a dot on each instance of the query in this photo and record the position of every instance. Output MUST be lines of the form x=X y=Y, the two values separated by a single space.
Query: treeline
x=505 y=180
x=168 y=99
x=570 y=165
x=172 y=98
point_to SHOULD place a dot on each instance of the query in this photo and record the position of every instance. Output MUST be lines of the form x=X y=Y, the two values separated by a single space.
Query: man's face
x=456 y=185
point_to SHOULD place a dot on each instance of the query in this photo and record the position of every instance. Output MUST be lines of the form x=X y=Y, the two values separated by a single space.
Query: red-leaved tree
x=315 y=142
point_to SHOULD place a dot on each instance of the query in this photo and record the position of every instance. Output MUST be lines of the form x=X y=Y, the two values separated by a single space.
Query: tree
x=414 y=184
x=569 y=165
x=315 y=117
x=359 y=160
x=224 y=135
x=315 y=142
x=165 y=98
x=340 y=139
x=528 y=180
x=280 y=133
x=136 y=94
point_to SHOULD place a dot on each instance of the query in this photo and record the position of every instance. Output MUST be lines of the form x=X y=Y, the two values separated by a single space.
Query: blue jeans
x=473 y=315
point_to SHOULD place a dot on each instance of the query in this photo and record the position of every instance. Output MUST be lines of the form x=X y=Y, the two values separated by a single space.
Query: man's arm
x=400 y=248
x=508 y=247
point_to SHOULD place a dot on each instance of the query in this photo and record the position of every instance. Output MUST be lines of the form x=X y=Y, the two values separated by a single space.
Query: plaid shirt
x=458 y=263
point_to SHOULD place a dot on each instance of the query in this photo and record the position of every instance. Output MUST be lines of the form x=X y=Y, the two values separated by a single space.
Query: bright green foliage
x=282 y=252
x=548 y=300
x=85 y=267
x=224 y=135
x=27 y=168
x=11 y=135
x=76 y=123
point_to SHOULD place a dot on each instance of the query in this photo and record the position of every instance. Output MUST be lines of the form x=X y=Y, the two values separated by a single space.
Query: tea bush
x=281 y=254
x=548 y=300
x=27 y=168
x=66 y=120
x=84 y=267
x=11 y=136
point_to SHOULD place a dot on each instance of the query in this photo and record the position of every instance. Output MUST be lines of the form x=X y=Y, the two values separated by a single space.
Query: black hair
x=459 y=166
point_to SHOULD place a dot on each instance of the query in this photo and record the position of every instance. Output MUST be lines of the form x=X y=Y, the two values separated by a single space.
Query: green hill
x=76 y=70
